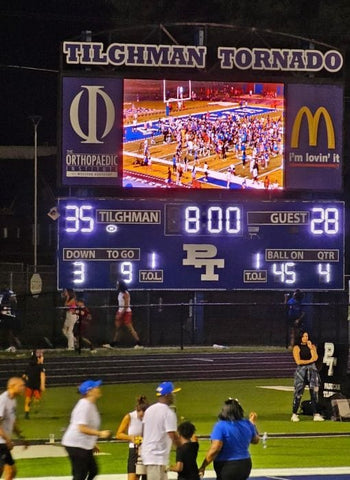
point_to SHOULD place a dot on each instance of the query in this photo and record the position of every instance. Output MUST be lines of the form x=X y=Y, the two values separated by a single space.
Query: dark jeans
x=83 y=463
x=233 y=469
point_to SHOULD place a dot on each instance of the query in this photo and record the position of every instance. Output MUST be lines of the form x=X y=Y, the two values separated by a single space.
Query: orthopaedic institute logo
x=91 y=130
x=313 y=122
x=96 y=99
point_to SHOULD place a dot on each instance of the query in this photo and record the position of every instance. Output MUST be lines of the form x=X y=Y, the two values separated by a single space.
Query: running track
x=154 y=367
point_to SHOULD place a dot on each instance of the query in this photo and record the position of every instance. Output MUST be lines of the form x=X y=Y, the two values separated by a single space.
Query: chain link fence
x=180 y=318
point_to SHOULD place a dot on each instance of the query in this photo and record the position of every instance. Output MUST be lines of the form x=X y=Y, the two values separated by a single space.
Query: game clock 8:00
x=162 y=244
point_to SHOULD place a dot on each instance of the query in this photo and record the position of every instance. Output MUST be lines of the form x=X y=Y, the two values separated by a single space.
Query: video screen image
x=196 y=134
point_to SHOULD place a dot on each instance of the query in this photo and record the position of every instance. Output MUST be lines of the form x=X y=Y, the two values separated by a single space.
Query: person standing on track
x=81 y=326
x=70 y=316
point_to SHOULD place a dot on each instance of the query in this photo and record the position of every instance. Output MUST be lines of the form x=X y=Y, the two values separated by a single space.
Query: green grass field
x=199 y=402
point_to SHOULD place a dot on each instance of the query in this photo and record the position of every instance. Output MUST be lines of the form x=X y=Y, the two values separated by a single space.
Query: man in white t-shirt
x=8 y=424
x=159 y=433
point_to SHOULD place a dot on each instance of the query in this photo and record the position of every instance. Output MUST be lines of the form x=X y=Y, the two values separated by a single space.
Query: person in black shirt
x=305 y=355
x=186 y=453
x=9 y=320
x=34 y=377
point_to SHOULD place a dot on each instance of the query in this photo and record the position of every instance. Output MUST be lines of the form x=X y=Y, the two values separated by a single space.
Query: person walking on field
x=8 y=425
x=80 y=438
x=230 y=440
x=186 y=455
x=123 y=316
x=35 y=378
x=159 y=433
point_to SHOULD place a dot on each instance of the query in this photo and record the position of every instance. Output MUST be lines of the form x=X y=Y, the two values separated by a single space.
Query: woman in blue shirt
x=230 y=440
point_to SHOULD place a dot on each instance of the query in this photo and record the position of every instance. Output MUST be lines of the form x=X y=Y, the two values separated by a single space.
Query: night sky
x=31 y=34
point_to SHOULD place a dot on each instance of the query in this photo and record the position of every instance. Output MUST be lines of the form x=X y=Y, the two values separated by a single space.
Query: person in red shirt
x=81 y=327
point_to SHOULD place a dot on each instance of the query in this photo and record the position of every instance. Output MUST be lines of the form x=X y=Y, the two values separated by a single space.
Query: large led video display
x=183 y=134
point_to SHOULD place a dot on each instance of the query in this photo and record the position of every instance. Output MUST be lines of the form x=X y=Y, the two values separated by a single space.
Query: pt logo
x=203 y=256
x=313 y=125
x=328 y=358
x=96 y=98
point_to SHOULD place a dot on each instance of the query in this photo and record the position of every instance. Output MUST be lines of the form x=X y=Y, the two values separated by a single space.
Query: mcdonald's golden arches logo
x=313 y=125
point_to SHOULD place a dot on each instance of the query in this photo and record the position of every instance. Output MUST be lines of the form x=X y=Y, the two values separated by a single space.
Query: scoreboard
x=200 y=245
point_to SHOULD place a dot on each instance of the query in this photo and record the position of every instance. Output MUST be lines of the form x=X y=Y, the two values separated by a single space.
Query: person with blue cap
x=159 y=432
x=83 y=432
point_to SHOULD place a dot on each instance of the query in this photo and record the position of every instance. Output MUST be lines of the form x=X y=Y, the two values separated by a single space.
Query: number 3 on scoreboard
x=79 y=273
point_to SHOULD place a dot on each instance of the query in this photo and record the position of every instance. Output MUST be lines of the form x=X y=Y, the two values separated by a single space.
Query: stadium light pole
x=35 y=121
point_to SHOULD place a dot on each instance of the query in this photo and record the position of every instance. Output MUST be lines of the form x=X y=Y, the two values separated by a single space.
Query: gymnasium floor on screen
x=147 y=129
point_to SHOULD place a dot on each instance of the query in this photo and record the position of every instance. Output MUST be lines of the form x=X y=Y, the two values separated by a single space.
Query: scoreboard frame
x=170 y=244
